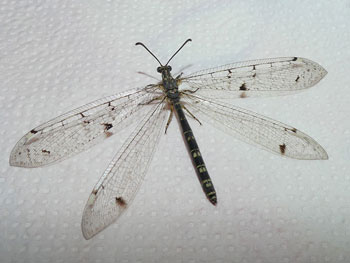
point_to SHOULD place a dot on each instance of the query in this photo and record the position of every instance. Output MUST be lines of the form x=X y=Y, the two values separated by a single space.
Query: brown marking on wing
x=283 y=148
x=108 y=134
x=243 y=87
x=293 y=130
x=108 y=126
x=120 y=201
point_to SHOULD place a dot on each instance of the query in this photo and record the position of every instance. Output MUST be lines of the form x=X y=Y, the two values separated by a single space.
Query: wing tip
x=323 y=71
x=319 y=71
x=319 y=152
x=86 y=231
x=16 y=161
x=13 y=163
x=17 y=156
x=86 y=235
x=323 y=155
x=13 y=160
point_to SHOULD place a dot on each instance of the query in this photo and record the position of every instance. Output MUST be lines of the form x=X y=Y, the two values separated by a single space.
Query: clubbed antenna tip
x=188 y=40
x=141 y=44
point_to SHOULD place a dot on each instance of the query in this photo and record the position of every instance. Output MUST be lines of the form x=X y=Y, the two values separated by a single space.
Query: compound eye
x=169 y=67
x=159 y=70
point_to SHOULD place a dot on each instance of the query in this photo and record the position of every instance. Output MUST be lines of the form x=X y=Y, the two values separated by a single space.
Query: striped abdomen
x=195 y=154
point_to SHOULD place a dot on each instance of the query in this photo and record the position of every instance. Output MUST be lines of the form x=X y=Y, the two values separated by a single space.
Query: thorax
x=170 y=86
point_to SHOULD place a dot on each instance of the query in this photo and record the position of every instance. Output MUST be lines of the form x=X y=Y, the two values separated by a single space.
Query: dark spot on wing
x=282 y=148
x=45 y=151
x=229 y=74
x=293 y=130
x=108 y=126
x=297 y=78
x=254 y=75
x=94 y=192
x=82 y=115
x=120 y=201
x=294 y=59
x=86 y=121
x=243 y=87
x=33 y=131
x=253 y=67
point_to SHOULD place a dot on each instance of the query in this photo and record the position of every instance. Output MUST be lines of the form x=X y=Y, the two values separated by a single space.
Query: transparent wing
x=256 y=78
x=255 y=129
x=120 y=182
x=81 y=128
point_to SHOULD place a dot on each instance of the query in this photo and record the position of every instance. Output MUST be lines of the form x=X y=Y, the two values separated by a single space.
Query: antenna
x=188 y=40
x=139 y=43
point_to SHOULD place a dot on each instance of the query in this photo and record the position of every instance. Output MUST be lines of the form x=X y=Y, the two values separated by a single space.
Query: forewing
x=256 y=129
x=120 y=182
x=81 y=128
x=256 y=78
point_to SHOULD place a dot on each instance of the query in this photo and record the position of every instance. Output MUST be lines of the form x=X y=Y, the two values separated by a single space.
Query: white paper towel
x=58 y=55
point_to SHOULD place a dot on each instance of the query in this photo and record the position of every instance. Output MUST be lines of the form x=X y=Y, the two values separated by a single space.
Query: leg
x=194 y=117
x=189 y=91
x=179 y=76
x=170 y=118
x=154 y=99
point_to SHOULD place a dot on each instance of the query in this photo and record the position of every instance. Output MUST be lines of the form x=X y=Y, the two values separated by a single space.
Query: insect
x=203 y=98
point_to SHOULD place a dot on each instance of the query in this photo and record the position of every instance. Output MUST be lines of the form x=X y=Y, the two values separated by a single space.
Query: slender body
x=173 y=96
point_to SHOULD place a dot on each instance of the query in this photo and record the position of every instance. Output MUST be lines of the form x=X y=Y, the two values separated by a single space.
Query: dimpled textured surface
x=58 y=55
